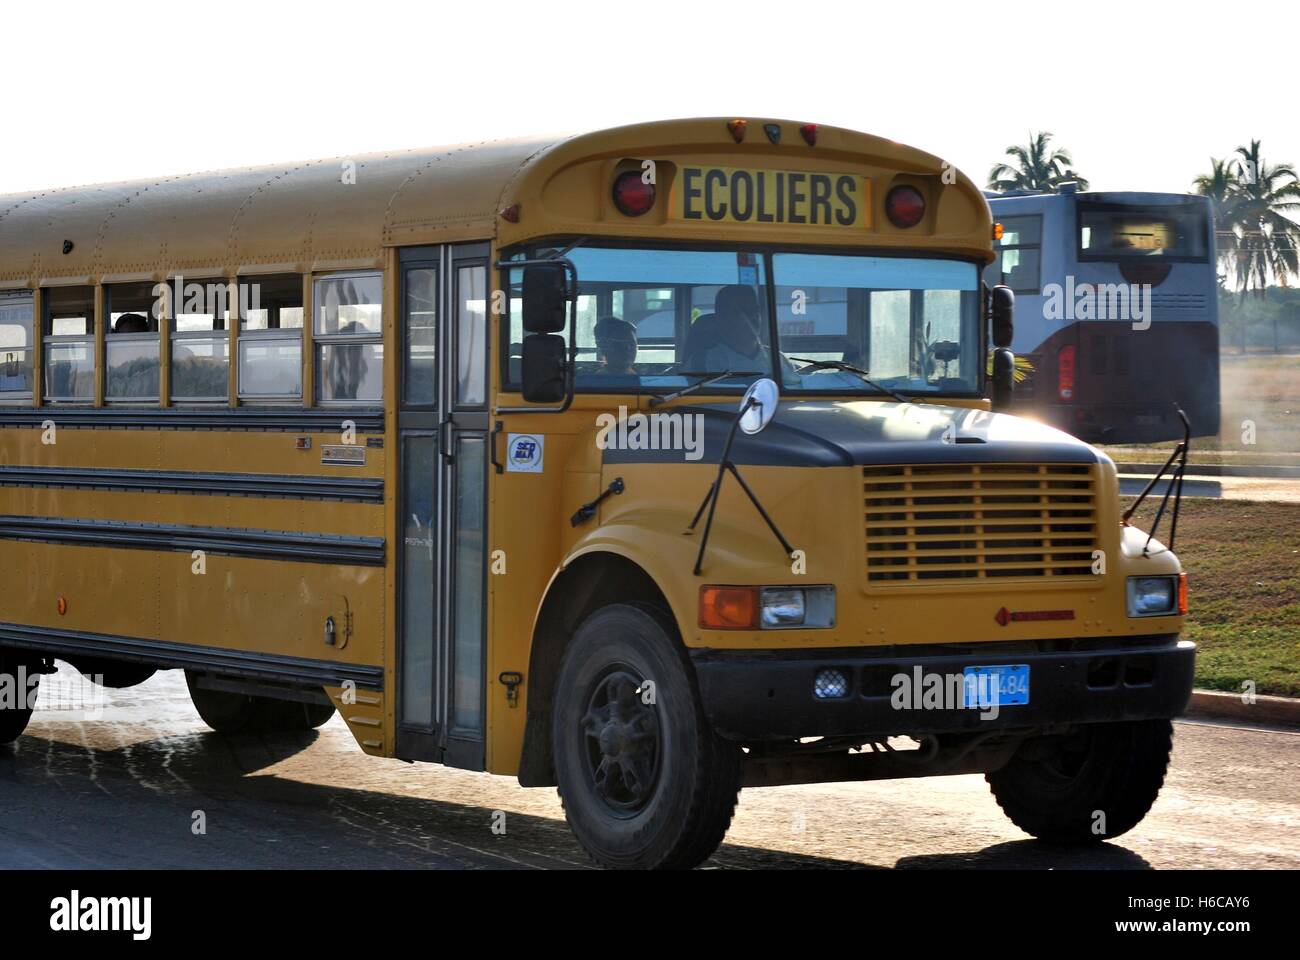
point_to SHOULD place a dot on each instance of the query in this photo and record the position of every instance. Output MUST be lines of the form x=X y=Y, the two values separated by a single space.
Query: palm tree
x=1267 y=239
x=1037 y=167
x=1223 y=188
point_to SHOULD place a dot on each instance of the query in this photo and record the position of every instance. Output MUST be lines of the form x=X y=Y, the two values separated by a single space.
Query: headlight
x=1152 y=596
x=782 y=608
x=797 y=607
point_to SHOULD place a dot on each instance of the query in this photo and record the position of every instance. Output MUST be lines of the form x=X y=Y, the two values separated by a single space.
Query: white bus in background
x=1116 y=310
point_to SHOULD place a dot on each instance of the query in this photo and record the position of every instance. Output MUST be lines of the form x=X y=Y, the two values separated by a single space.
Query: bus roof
x=342 y=212
x=1025 y=199
x=259 y=219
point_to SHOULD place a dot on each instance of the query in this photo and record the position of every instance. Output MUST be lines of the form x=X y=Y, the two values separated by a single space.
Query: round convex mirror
x=758 y=405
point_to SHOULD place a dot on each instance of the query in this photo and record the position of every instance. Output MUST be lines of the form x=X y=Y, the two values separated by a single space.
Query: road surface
x=127 y=790
x=1278 y=489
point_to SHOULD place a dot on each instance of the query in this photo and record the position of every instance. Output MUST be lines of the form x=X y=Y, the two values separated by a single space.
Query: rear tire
x=15 y=704
x=228 y=712
x=221 y=710
x=291 y=715
x=1055 y=788
x=643 y=785
x=114 y=674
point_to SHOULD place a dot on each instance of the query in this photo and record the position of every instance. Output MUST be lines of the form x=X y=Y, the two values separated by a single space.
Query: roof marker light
x=905 y=206
x=737 y=128
x=632 y=195
x=809 y=133
x=510 y=214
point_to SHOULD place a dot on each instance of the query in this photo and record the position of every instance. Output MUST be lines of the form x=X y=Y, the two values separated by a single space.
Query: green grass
x=1243 y=573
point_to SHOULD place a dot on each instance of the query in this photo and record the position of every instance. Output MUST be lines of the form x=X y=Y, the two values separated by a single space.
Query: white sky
x=1141 y=93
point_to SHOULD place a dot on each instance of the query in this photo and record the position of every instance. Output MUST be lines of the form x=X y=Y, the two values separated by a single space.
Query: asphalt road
x=123 y=790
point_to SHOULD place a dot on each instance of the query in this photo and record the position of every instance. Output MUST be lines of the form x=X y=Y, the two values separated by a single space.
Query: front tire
x=644 y=784
x=1089 y=786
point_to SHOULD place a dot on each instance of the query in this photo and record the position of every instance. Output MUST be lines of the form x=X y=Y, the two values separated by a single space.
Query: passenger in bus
x=131 y=323
x=136 y=375
x=738 y=345
x=616 y=345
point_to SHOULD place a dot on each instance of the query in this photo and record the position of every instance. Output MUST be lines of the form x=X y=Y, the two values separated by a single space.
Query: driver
x=739 y=347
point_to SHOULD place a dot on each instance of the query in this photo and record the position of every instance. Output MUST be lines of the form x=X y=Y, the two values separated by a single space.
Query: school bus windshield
x=659 y=318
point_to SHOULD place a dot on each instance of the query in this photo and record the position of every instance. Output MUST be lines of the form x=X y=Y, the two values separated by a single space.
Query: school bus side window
x=69 y=349
x=349 y=338
x=131 y=343
x=270 y=337
x=201 y=341
x=15 y=345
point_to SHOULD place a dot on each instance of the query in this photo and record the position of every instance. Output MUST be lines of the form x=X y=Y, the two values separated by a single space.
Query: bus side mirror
x=545 y=298
x=1004 y=377
x=544 y=370
x=1002 y=308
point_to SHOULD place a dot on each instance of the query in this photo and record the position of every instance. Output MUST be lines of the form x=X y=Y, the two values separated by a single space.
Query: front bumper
x=755 y=695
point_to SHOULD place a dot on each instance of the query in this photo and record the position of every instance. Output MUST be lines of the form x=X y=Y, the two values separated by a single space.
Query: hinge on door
x=331 y=628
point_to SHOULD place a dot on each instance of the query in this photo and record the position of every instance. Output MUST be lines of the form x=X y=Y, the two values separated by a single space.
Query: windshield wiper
x=706 y=380
x=841 y=365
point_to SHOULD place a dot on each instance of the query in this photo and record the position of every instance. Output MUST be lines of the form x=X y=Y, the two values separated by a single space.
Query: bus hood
x=841 y=433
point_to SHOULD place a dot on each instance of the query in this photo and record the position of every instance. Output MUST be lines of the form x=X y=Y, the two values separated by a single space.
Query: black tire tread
x=1131 y=784
x=717 y=775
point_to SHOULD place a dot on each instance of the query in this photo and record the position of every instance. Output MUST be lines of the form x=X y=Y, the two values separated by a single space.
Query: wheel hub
x=622 y=735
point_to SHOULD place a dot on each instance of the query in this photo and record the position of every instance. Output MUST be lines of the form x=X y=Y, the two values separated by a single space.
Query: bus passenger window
x=349 y=338
x=131 y=343
x=69 y=330
x=15 y=345
x=200 y=319
x=1018 y=254
x=270 y=337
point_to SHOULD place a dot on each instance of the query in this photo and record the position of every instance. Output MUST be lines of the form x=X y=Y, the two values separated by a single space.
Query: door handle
x=492 y=446
x=447 y=455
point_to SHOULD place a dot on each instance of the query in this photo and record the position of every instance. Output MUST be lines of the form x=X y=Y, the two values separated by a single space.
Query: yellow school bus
x=650 y=463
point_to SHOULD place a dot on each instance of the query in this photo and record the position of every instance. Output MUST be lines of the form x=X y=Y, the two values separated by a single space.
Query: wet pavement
x=131 y=787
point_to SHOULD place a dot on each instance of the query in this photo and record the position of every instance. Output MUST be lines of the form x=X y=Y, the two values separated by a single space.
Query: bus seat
x=700 y=339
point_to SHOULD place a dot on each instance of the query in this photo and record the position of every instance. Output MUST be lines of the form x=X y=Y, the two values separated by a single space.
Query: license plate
x=1011 y=683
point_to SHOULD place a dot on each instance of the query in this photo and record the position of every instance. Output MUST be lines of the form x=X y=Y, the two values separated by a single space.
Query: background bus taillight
x=632 y=195
x=1065 y=373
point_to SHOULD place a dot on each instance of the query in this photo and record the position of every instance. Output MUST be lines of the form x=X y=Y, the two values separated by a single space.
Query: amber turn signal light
x=1182 y=593
x=729 y=608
